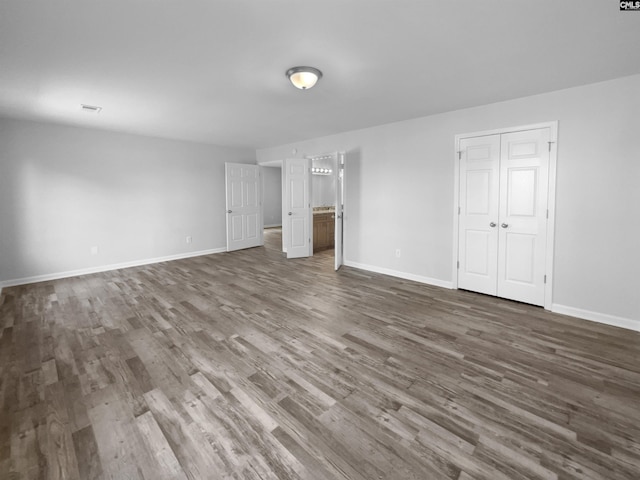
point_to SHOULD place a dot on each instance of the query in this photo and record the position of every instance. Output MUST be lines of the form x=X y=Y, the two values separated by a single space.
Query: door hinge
x=545 y=279
x=460 y=155
x=458 y=264
x=547 y=213
x=550 y=145
x=458 y=210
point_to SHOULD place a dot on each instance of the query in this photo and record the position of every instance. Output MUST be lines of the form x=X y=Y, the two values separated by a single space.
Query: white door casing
x=505 y=198
x=339 y=210
x=283 y=183
x=244 y=206
x=296 y=208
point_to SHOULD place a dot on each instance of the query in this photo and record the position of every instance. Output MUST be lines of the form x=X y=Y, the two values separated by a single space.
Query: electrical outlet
x=94 y=250
x=188 y=239
x=398 y=252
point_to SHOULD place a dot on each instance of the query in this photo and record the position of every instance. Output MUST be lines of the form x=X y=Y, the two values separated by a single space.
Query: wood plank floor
x=247 y=366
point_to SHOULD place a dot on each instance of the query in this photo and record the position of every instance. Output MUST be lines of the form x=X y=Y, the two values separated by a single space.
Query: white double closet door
x=502 y=232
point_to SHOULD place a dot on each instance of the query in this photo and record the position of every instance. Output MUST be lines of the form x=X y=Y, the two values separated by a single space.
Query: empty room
x=347 y=239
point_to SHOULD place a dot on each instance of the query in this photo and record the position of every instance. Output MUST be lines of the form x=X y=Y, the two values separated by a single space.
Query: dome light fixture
x=304 y=77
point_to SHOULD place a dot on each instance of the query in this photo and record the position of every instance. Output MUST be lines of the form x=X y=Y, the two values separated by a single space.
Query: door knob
x=290 y=213
x=228 y=211
x=492 y=224
x=504 y=225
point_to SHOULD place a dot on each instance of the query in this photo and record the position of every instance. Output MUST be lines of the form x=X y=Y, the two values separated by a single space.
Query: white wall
x=399 y=193
x=272 y=188
x=64 y=190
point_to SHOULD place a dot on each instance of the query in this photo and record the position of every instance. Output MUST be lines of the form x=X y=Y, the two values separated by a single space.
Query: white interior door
x=524 y=185
x=478 y=214
x=296 y=208
x=502 y=229
x=244 y=206
x=339 y=215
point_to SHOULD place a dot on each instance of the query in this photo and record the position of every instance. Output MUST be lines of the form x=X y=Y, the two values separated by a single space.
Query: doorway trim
x=340 y=158
x=339 y=161
x=551 y=199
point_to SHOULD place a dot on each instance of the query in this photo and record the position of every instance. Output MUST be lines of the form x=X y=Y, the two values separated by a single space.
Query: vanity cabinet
x=323 y=231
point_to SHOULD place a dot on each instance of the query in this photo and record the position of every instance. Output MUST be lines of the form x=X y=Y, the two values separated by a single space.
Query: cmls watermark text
x=630 y=5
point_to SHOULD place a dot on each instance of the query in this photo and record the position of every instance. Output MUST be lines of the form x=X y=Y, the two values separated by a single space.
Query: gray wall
x=64 y=190
x=323 y=187
x=400 y=180
x=272 y=188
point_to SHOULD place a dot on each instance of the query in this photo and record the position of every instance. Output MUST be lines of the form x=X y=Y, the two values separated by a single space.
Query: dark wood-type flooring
x=247 y=366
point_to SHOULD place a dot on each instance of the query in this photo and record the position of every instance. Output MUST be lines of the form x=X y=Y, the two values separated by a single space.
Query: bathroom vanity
x=323 y=228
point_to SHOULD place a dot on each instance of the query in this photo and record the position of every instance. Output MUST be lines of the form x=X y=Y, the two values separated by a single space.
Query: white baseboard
x=273 y=226
x=395 y=273
x=105 y=268
x=604 y=318
x=621 y=322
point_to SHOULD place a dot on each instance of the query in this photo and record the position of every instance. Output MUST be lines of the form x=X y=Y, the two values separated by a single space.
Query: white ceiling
x=213 y=70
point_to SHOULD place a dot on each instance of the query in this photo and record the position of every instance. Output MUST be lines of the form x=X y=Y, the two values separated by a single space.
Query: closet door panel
x=478 y=239
x=524 y=178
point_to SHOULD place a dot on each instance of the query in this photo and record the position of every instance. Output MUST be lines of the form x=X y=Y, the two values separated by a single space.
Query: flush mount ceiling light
x=304 y=77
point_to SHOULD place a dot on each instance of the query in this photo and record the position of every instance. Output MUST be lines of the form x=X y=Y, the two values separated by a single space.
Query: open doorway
x=323 y=201
x=272 y=196
x=313 y=222
x=272 y=204
x=327 y=204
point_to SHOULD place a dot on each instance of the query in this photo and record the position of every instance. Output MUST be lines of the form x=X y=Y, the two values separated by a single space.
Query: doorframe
x=339 y=155
x=551 y=199
x=341 y=167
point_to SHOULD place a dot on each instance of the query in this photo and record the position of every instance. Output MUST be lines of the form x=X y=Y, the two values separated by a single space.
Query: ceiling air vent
x=90 y=108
